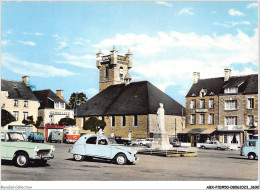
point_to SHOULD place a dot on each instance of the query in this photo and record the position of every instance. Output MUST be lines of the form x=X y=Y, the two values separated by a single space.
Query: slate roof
x=47 y=98
x=17 y=90
x=247 y=84
x=134 y=98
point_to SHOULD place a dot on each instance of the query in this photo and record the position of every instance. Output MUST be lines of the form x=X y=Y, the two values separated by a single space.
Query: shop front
x=197 y=135
x=231 y=135
x=49 y=128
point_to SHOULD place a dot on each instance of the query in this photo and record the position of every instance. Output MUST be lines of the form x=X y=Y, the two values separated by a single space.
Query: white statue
x=160 y=118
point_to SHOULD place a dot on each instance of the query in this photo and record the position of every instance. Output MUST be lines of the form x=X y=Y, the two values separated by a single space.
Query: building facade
x=128 y=109
x=52 y=108
x=18 y=99
x=223 y=109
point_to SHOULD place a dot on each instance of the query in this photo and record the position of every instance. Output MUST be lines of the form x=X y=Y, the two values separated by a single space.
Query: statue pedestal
x=161 y=141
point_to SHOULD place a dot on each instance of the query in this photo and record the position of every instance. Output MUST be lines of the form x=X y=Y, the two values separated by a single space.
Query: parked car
x=141 y=142
x=175 y=142
x=214 y=145
x=36 y=136
x=250 y=149
x=99 y=146
x=15 y=147
x=120 y=140
x=55 y=136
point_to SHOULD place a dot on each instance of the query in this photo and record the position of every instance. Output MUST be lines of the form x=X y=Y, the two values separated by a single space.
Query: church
x=129 y=109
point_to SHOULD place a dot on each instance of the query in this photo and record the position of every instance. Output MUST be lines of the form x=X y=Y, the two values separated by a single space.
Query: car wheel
x=141 y=144
x=251 y=156
x=21 y=160
x=121 y=159
x=78 y=157
x=203 y=147
x=218 y=148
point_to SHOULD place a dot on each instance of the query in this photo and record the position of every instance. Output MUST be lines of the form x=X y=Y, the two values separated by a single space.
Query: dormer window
x=231 y=90
x=6 y=94
x=203 y=92
x=59 y=105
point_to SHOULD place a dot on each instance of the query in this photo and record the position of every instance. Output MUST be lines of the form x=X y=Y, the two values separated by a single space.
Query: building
x=128 y=109
x=52 y=109
x=223 y=108
x=18 y=98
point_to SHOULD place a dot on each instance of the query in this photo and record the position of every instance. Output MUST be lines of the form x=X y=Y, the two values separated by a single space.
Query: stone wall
x=208 y=111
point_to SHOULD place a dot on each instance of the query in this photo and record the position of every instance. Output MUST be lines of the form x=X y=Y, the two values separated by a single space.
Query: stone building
x=129 y=109
x=52 y=108
x=223 y=108
x=18 y=98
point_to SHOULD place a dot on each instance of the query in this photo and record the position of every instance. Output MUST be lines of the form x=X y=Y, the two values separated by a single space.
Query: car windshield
x=15 y=137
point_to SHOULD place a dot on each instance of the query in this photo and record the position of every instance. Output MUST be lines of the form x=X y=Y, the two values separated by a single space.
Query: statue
x=160 y=118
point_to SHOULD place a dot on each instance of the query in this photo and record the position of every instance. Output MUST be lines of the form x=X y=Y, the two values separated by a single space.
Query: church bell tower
x=113 y=68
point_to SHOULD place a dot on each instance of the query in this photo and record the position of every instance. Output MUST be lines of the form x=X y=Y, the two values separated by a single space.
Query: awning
x=208 y=131
x=197 y=131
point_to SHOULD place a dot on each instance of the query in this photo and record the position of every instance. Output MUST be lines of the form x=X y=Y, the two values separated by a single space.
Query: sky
x=55 y=43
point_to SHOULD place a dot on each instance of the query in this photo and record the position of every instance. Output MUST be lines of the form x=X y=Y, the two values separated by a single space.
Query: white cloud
x=231 y=24
x=213 y=12
x=30 y=68
x=62 y=45
x=168 y=58
x=185 y=11
x=35 y=34
x=85 y=61
x=251 y=5
x=5 y=42
x=233 y=12
x=163 y=3
x=28 y=43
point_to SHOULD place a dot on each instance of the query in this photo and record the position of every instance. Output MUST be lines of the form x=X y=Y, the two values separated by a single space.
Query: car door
x=103 y=149
x=3 y=145
x=90 y=146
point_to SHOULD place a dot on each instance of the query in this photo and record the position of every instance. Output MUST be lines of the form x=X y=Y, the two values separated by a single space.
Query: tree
x=67 y=121
x=6 y=117
x=94 y=124
x=29 y=121
x=76 y=99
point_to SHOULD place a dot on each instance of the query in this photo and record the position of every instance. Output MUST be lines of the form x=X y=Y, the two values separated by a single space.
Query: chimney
x=227 y=73
x=59 y=93
x=25 y=80
x=196 y=77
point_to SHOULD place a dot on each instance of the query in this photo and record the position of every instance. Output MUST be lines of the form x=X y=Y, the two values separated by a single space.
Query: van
x=250 y=149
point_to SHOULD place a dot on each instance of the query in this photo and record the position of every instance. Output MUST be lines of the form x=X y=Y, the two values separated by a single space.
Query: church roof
x=17 y=90
x=135 y=98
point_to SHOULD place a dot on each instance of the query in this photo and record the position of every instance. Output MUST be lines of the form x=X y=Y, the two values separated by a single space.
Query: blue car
x=36 y=137
x=250 y=149
x=99 y=146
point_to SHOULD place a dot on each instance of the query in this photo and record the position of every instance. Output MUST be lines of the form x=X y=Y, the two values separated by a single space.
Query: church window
x=121 y=73
x=106 y=73
x=123 y=121
x=135 y=120
x=113 y=121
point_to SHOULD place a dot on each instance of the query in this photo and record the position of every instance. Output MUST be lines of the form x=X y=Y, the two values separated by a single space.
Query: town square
x=129 y=91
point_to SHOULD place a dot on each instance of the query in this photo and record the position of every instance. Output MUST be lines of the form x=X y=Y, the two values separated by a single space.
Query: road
x=209 y=165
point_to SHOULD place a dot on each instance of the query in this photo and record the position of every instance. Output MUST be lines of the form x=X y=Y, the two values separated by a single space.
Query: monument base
x=161 y=141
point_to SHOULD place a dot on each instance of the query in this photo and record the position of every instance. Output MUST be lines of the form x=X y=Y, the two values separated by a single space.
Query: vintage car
x=123 y=141
x=36 y=136
x=141 y=142
x=250 y=149
x=15 y=147
x=99 y=146
x=214 y=145
x=55 y=136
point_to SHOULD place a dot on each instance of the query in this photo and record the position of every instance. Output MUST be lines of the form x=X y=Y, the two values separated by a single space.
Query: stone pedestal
x=161 y=141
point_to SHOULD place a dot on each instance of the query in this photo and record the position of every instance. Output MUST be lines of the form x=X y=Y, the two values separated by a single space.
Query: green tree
x=6 y=117
x=67 y=121
x=76 y=99
x=29 y=121
x=94 y=124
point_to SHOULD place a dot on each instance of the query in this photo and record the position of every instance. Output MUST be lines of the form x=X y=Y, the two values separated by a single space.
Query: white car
x=141 y=142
